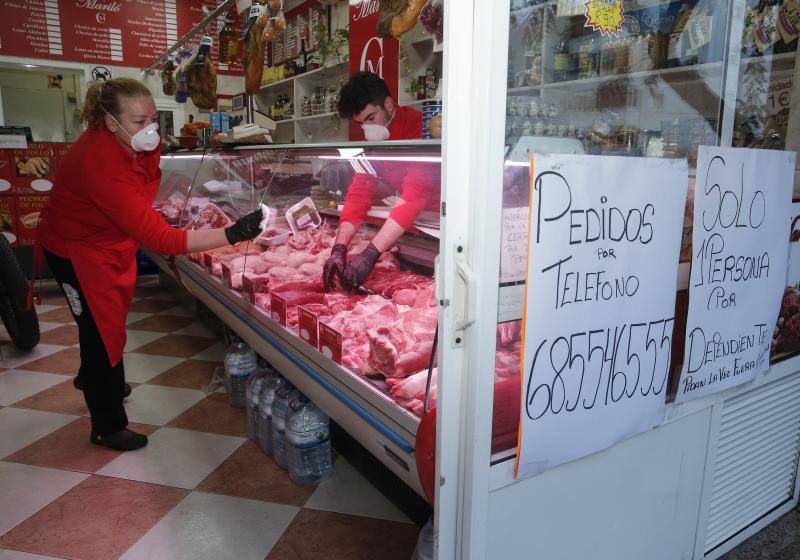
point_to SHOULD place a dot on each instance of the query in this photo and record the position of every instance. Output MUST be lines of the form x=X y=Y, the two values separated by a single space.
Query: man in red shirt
x=367 y=101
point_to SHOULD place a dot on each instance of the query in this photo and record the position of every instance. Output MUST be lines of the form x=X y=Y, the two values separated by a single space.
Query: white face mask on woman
x=146 y=140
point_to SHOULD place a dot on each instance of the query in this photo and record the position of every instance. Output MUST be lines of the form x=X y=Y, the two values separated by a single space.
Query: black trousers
x=104 y=385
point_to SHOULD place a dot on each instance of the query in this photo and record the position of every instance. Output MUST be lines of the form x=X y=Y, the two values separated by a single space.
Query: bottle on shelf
x=562 y=58
x=302 y=58
x=227 y=42
x=255 y=386
x=678 y=41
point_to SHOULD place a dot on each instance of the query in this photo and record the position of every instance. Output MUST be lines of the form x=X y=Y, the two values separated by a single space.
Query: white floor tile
x=141 y=368
x=25 y=489
x=212 y=526
x=16 y=385
x=156 y=405
x=11 y=357
x=349 y=492
x=134 y=316
x=21 y=427
x=197 y=329
x=214 y=353
x=137 y=339
x=174 y=457
x=14 y=555
x=178 y=311
x=44 y=308
x=44 y=326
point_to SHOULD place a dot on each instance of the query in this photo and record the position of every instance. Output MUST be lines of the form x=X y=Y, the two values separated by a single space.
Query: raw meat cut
x=210 y=217
x=403 y=347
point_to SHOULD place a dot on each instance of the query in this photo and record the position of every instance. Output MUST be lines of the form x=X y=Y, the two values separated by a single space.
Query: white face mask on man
x=377 y=132
x=146 y=140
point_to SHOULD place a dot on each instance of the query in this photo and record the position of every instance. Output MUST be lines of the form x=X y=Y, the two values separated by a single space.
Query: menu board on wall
x=740 y=251
x=118 y=32
x=602 y=263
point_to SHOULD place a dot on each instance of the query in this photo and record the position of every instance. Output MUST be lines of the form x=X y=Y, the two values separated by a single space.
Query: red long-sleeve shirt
x=103 y=196
x=418 y=184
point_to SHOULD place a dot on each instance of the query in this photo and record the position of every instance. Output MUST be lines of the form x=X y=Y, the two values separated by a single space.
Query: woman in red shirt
x=98 y=215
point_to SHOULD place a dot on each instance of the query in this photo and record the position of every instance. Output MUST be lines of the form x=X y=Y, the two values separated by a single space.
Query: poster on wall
x=369 y=52
x=739 y=261
x=601 y=272
x=786 y=335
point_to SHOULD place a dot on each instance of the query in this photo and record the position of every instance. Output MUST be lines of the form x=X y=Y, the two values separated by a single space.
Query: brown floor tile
x=189 y=374
x=56 y=298
x=150 y=306
x=63 y=398
x=147 y=291
x=65 y=336
x=178 y=345
x=69 y=448
x=248 y=473
x=336 y=536
x=161 y=323
x=213 y=414
x=66 y=361
x=98 y=519
x=63 y=315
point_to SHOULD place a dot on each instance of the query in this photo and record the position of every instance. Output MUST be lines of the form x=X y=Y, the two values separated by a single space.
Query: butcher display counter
x=366 y=357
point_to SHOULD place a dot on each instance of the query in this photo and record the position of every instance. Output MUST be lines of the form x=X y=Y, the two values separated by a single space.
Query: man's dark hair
x=364 y=88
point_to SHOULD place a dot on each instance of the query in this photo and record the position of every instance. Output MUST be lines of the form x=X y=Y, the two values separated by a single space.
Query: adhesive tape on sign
x=41 y=185
x=327 y=352
x=10 y=236
x=305 y=334
x=4 y=185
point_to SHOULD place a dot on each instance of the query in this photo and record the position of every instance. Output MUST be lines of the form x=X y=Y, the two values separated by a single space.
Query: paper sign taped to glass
x=602 y=265
x=742 y=205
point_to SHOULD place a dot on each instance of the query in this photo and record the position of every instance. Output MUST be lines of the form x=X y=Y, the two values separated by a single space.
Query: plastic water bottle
x=255 y=385
x=280 y=410
x=265 y=413
x=425 y=542
x=297 y=401
x=308 y=438
x=240 y=362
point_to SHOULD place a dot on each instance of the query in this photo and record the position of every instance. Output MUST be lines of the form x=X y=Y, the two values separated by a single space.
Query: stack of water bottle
x=280 y=419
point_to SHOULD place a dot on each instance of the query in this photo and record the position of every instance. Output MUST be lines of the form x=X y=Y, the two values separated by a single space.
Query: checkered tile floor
x=199 y=490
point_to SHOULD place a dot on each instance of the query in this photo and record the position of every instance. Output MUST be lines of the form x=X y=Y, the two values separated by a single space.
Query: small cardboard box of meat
x=28 y=210
x=6 y=172
x=33 y=169
x=8 y=219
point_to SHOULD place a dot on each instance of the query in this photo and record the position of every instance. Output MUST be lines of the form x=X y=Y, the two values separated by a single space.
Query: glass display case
x=668 y=77
x=381 y=335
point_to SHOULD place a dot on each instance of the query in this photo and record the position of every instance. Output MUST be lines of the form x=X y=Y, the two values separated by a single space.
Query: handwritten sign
x=740 y=251
x=600 y=301
x=514 y=248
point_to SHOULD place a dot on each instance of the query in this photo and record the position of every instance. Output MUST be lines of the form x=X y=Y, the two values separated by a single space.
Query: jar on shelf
x=306 y=111
x=331 y=100
x=539 y=127
x=534 y=108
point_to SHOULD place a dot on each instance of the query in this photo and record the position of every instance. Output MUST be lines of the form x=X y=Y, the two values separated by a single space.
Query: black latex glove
x=359 y=268
x=334 y=266
x=246 y=228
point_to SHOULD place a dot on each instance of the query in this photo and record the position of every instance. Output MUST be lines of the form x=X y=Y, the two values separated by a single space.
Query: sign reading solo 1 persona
x=602 y=266
x=739 y=258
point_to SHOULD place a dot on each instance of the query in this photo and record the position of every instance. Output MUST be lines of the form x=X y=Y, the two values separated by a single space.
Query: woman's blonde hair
x=102 y=97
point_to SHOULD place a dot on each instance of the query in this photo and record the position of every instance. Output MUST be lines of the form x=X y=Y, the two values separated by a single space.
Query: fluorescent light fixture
x=30 y=66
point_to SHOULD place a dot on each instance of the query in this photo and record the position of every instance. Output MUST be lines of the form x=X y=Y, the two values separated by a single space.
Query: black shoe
x=123 y=440
x=79 y=385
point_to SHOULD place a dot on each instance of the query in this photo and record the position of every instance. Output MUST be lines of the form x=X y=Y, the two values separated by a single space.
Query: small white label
x=255 y=11
x=327 y=352
x=304 y=334
x=4 y=185
x=41 y=185
x=205 y=41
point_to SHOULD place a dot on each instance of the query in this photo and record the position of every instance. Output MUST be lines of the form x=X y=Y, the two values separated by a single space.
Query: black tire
x=22 y=324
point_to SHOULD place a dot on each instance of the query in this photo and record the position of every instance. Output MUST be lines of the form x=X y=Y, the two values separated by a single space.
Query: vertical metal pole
x=250 y=108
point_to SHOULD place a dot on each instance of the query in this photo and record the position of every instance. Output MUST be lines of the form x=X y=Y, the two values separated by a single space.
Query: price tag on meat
x=599 y=304
x=226 y=276
x=740 y=251
x=307 y=325
x=330 y=342
x=277 y=308
x=208 y=262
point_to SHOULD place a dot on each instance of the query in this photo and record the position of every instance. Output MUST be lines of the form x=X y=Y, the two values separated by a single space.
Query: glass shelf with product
x=379 y=337
x=654 y=87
